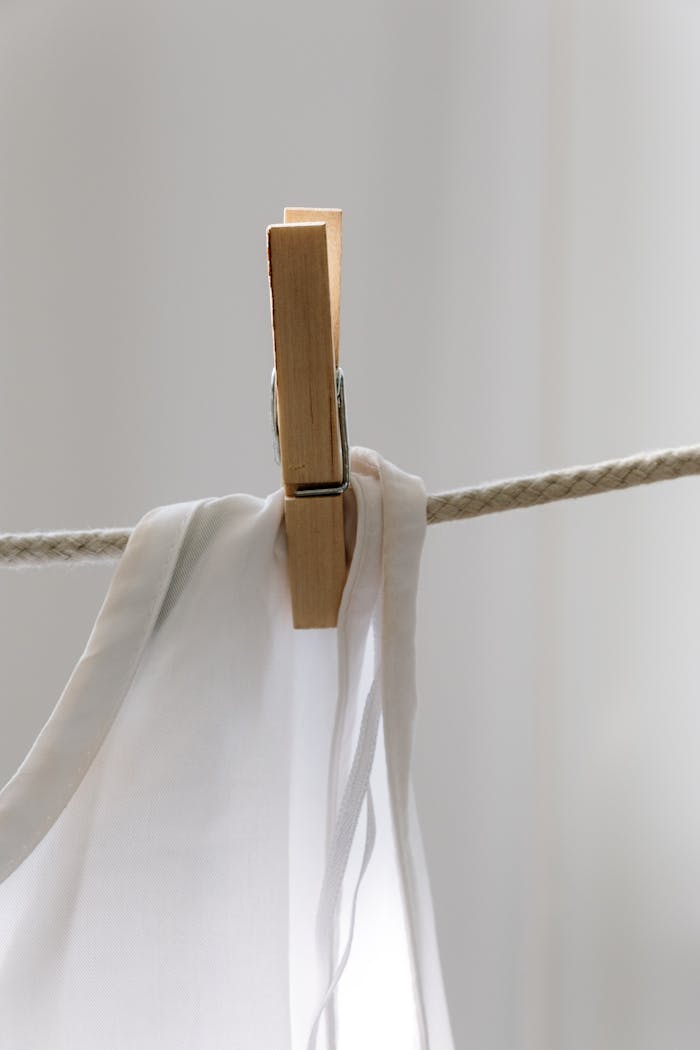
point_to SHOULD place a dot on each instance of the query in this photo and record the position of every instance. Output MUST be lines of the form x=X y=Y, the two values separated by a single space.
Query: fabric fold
x=237 y=864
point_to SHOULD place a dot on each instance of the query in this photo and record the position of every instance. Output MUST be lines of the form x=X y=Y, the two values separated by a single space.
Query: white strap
x=356 y=791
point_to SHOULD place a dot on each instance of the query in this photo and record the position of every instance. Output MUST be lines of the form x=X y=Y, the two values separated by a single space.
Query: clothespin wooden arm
x=304 y=256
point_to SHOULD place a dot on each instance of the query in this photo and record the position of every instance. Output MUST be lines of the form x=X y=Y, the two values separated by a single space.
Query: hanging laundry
x=212 y=844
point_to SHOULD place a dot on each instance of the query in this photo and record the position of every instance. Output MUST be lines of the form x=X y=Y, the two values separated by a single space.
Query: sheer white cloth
x=212 y=842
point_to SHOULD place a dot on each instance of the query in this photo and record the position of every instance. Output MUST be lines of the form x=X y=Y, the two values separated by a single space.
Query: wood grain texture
x=316 y=555
x=305 y=357
x=333 y=218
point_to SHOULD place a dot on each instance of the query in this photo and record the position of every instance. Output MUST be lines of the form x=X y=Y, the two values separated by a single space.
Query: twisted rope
x=571 y=483
x=34 y=548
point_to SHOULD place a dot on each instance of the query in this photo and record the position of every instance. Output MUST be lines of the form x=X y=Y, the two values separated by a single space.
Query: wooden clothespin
x=304 y=256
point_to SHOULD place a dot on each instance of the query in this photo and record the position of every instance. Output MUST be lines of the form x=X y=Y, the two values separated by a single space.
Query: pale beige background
x=520 y=291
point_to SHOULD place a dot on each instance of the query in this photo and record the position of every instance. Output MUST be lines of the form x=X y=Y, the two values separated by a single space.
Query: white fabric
x=212 y=842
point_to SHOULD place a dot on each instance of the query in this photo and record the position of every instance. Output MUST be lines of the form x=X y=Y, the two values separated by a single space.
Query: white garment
x=182 y=849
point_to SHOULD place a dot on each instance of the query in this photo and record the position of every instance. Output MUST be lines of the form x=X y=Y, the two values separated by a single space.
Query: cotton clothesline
x=36 y=548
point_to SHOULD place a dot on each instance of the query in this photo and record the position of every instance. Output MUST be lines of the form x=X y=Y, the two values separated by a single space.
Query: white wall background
x=521 y=255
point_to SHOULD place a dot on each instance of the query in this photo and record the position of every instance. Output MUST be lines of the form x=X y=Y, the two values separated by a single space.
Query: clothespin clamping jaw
x=308 y=406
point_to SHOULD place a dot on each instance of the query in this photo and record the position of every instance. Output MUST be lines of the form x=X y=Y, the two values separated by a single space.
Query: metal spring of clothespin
x=316 y=490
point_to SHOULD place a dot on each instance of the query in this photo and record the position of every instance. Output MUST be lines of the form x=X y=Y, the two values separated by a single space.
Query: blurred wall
x=521 y=254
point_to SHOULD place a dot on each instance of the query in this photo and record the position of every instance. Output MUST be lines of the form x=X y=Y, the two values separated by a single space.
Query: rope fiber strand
x=39 y=548
x=571 y=483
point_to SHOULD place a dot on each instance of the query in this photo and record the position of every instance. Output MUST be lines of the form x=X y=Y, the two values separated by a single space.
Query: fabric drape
x=212 y=842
